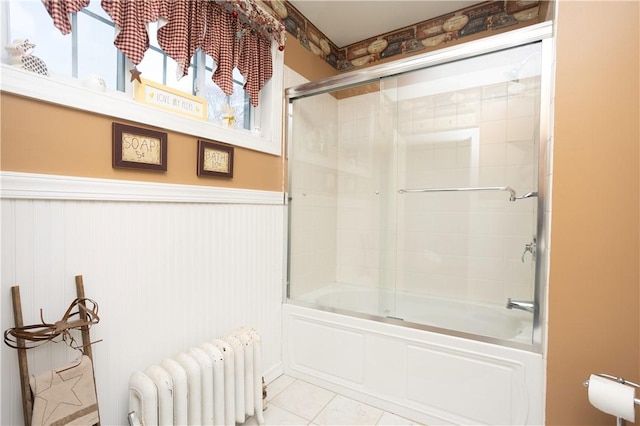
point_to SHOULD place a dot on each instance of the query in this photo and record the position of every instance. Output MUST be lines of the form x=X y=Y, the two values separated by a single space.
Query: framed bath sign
x=215 y=159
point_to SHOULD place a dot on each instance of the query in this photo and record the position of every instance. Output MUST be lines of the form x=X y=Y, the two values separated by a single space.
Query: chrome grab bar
x=512 y=192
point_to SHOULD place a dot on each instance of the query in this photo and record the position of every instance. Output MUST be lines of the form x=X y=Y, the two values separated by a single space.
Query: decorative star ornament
x=135 y=75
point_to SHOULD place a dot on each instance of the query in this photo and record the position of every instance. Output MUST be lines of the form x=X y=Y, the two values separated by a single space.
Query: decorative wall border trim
x=480 y=20
x=53 y=187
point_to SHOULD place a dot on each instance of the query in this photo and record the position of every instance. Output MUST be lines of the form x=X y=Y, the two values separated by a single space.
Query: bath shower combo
x=413 y=281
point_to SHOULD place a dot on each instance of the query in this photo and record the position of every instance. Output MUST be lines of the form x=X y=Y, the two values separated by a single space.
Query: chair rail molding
x=15 y=185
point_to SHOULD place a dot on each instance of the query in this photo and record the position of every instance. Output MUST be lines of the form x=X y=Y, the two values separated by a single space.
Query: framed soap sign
x=138 y=148
x=215 y=159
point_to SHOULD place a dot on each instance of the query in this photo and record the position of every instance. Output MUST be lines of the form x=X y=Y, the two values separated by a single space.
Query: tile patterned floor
x=295 y=402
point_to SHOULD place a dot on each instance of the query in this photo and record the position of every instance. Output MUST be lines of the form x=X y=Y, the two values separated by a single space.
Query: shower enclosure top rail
x=512 y=192
x=532 y=33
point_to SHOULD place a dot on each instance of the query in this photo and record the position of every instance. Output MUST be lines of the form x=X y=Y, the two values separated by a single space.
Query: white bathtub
x=428 y=376
x=481 y=319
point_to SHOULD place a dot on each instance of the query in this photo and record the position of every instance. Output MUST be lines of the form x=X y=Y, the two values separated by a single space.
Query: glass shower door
x=413 y=198
x=467 y=136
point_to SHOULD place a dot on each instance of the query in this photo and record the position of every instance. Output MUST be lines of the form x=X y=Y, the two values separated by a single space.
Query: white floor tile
x=295 y=402
x=303 y=399
x=345 y=411
x=276 y=416
x=276 y=386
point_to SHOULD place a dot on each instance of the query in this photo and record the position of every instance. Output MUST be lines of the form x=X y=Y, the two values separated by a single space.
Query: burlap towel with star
x=66 y=396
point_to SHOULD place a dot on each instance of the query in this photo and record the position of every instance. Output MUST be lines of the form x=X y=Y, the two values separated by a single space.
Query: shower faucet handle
x=531 y=248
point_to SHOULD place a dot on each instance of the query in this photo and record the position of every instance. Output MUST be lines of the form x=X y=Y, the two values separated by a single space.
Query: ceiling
x=347 y=22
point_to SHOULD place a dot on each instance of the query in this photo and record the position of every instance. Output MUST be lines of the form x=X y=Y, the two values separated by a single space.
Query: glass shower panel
x=313 y=194
x=339 y=194
x=468 y=141
x=413 y=198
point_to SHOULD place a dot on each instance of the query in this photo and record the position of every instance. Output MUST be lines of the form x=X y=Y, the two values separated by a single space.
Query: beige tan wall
x=38 y=137
x=305 y=63
x=594 y=281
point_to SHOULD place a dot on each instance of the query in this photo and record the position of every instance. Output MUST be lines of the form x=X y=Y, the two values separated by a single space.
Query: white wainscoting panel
x=166 y=276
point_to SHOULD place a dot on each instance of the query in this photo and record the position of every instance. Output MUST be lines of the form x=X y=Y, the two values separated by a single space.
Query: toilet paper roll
x=612 y=397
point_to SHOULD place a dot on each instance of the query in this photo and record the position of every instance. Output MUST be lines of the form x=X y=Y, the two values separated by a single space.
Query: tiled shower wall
x=463 y=245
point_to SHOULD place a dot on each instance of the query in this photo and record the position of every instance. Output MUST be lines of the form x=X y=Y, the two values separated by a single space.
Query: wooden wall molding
x=52 y=187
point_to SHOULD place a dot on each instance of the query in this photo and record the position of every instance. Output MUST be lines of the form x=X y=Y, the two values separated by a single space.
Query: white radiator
x=216 y=383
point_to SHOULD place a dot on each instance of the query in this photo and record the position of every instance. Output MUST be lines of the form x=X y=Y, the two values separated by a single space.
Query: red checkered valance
x=235 y=33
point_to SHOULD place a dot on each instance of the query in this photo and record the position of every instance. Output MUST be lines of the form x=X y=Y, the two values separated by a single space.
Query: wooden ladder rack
x=27 y=397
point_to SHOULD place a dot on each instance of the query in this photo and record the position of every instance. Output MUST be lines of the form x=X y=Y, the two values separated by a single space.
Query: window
x=89 y=50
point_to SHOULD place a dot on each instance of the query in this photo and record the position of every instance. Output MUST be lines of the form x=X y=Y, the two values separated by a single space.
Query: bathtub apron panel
x=428 y=377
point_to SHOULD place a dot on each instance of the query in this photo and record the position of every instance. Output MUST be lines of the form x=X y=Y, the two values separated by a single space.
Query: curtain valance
x=236 y=34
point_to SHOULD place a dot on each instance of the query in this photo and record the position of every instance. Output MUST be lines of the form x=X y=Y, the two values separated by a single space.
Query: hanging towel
x=66 y=396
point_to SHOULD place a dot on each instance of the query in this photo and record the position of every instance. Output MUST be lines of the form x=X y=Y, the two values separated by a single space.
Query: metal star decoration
x=135 y=75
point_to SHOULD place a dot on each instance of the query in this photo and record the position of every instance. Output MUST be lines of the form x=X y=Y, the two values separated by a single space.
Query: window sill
x=70 y=93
